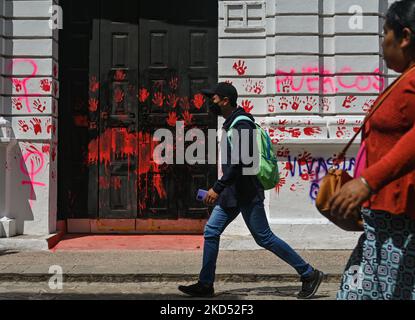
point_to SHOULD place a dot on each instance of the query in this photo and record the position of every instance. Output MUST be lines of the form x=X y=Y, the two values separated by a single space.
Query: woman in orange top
x=383 y=264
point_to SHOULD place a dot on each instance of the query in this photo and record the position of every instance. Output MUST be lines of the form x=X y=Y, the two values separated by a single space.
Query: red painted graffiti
x=31 y=164
x=22 y=84
x=309 y=81
x=172 y=100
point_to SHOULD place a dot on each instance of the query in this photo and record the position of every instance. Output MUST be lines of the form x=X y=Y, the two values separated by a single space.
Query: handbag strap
x=374 y=109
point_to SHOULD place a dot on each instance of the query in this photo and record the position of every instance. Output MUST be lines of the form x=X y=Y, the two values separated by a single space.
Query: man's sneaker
x=311 y=285
x=198 y=290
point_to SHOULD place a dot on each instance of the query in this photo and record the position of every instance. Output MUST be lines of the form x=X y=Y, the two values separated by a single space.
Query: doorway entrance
x=127 y=69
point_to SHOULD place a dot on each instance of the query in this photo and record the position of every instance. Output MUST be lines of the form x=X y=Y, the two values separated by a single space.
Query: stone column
x=29 y=91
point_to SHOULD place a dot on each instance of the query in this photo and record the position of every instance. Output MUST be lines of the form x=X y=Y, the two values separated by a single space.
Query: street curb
x=121 y=278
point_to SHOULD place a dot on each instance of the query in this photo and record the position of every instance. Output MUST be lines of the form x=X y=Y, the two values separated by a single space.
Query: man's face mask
x=215 y=109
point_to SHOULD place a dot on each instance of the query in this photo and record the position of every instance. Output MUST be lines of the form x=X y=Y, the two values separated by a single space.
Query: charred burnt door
x=141 y=66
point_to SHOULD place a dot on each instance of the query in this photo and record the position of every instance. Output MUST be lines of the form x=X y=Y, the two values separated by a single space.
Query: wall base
x=298 y=236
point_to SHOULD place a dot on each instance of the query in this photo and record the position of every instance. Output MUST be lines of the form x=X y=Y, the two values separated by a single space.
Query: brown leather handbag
x=336 y=179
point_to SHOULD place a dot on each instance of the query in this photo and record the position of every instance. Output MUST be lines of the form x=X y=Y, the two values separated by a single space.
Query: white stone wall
x=28 y=99
x=308 y=70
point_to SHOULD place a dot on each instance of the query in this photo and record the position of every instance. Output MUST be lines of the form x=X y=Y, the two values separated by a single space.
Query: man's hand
x=349 y=199
x=211 y=198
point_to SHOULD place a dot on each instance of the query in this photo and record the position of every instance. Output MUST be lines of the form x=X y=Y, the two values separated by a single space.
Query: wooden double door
x=127 y=69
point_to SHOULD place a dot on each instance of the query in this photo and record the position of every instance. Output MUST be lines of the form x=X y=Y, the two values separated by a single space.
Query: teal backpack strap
x=240 y=118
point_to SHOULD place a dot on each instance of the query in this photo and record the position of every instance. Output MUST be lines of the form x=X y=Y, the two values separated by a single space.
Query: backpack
x=269 y=174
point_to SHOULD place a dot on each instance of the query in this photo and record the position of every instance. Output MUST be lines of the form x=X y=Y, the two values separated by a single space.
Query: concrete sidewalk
x=159 y=266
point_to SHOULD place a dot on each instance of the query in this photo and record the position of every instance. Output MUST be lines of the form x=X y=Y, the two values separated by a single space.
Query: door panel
x=129 y=68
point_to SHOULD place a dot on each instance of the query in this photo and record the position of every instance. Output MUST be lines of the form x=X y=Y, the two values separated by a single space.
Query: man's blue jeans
x=256 y=220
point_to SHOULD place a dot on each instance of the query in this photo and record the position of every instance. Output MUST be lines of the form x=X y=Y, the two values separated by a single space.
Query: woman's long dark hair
x=400 y=15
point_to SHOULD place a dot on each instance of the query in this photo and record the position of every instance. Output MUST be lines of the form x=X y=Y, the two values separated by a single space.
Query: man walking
x=236 y=192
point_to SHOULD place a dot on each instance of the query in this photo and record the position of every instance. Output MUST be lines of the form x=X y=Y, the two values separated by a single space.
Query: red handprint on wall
x=18 y=85
x=258 y=87
x=283 y=103
x=45 y=85
x=188 y=118
x=159 y=99
x=247 y=105
x=23 y=126
x=38 y=105
x=326 y=104
x=118 y=95
x=17 y=104
x=271 y=105
x=368 y=105
x=198 y=101
x=174 y=83
x=310 y=131
x=310 y=103
x=295 y=104
x=240 y=67
x=172 y=100
x=286 y=86
x=295 y=133
x=143 y=95
x=341 y=132
x=93 y=105
x=120 y=75
x=347 y=103
x=93 y=84
x=37 y=125
x=185 y=103
x=172 y=119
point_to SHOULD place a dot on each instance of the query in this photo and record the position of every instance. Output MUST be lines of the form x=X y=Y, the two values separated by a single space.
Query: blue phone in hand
x=201 y=195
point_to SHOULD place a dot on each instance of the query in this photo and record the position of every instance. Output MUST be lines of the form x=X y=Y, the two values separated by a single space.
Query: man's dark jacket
x=234 y=188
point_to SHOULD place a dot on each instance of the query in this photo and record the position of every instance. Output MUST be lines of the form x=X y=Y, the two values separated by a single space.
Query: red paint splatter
x=115 y=143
